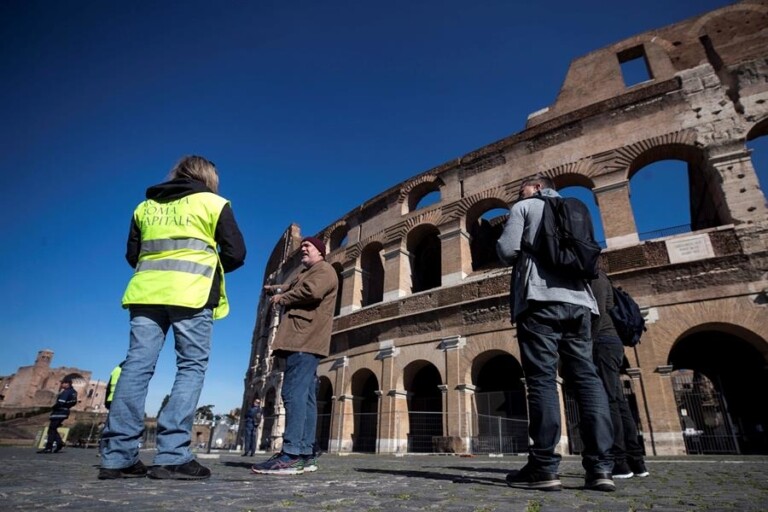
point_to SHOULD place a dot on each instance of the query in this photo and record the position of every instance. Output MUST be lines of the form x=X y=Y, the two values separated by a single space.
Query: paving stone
x=368 y=483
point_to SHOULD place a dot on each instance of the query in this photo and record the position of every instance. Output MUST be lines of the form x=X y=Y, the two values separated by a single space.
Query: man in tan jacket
x=302 y=339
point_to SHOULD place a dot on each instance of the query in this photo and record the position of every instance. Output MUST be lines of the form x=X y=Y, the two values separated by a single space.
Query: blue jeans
x=192 y=330
x=248 y=438
x=547 y=331
x=608 y=354
x=300 y=401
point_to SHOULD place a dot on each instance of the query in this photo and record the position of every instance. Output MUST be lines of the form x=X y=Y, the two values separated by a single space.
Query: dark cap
x=319 y=244
x=67 y=379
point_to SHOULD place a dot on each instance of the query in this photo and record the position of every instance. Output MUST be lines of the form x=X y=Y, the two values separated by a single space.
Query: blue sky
x=308 y=109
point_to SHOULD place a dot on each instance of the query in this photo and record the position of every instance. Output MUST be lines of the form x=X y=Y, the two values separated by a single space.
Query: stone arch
x=484 y=232
x=500 y=403
x=372 y=268
x=324 y=411
x=365 y=407
x=423 y=244
x=580 y=172
x=413 y=191
x=626 y=160
x=719 y=371
x=340 y=290
x=759 y=155
x=336 y=235
x=759 y=129
x=707 y=205
x=422 y=381
x=740 y=18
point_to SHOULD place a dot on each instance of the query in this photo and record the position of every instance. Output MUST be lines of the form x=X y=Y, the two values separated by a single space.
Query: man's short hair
x=542 y=179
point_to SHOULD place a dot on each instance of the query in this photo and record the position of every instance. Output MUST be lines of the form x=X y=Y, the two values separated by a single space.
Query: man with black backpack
x=553 y=311
x=608 y=354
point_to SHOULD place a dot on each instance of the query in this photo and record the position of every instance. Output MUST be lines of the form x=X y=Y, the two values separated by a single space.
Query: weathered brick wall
x=708 y=93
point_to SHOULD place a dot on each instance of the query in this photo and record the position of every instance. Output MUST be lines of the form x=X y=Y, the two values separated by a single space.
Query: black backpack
x=565 y=242
x=627 y=318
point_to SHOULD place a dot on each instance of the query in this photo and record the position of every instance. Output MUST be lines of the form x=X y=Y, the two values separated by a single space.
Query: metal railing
x=418 y=432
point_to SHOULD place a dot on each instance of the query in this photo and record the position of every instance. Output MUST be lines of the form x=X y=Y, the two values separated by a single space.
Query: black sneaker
x=638 y=467
x=622 y=470
x=599 y=482
x=57 y=447
x=191 y=470
x=138 y=470
x=528 y=478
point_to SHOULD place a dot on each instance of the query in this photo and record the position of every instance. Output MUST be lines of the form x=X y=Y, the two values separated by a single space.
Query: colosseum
x=423 y=355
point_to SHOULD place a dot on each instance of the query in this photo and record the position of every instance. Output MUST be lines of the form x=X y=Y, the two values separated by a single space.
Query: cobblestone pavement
x=67 y=481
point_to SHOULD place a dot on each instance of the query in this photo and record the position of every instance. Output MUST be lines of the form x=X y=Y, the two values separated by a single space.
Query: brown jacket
x=307 y=320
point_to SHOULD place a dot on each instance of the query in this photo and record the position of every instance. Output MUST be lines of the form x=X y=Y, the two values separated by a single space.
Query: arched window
x=485 y=222
x=424 y=248
x=757 y=142
x=338 y=238
x=422 y=195
x=674 y=190
x=372 y=265
x=339 y=291
x=665 y=180
x=428 y=200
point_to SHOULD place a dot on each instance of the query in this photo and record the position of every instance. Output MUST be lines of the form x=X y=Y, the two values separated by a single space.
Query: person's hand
x=275 y=299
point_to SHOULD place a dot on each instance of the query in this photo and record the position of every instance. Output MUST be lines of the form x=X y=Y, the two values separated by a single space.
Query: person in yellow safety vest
x=182 y=240
x=112 y=384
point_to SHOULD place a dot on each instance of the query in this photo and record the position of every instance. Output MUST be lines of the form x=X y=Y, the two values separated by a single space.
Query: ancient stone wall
x=706 y=96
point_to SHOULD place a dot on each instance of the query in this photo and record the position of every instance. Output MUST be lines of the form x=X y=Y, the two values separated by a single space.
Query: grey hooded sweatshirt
x=529 y=282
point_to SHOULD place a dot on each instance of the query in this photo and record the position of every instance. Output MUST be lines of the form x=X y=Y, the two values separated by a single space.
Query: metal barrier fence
x=422 y=432
x=704 y=418
x=705 y=424
x=497 y=434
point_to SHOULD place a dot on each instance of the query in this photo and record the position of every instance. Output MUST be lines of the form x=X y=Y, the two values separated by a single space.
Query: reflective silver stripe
x=174 y=244
x=177 y=265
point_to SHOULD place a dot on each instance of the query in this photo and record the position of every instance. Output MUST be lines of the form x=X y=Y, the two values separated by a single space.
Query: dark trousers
x=608 y=353
x=548 y=332
x=53 y=434
x=248 y=441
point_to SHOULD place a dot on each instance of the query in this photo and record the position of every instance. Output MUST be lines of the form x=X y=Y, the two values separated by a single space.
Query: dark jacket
x=253 y=416
x=227 y=236
x=66 y=400
x=602 y=326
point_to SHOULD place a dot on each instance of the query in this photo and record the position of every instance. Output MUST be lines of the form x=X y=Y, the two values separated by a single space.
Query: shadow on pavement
x=246 y=465
x=431 y=475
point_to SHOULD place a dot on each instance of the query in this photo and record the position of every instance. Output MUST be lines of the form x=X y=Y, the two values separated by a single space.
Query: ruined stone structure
x=37 y=386
x=424 y=357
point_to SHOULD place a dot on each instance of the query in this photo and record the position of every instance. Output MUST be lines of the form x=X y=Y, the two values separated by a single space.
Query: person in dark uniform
x=64 y=402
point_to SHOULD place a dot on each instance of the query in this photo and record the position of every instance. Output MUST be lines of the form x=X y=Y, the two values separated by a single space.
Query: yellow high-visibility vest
x=113 y=377
x=179 y=255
